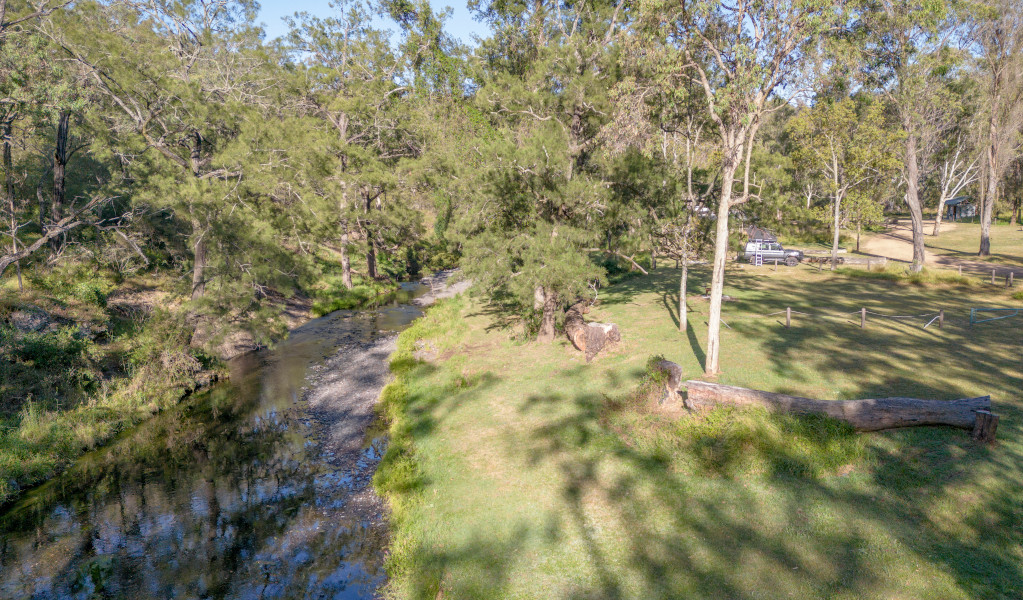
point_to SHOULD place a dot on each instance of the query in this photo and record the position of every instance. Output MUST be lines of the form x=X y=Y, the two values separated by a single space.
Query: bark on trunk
x=683 y=312
x=987 y=207
x=717 y=282
x=371 y=255
x=916 y=214
x=589 y=338
x=346 y=263
x=873 y=414
x=9 y=196
x=835 y=237
x=937 y=217
x=199 y=244
x=548 y=320
x=59 y=168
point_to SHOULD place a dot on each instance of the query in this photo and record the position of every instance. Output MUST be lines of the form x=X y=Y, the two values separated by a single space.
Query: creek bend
x=257 y=488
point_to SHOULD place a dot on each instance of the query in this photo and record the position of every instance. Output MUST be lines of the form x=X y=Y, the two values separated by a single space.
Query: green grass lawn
x=519 y=471
x=964 y=241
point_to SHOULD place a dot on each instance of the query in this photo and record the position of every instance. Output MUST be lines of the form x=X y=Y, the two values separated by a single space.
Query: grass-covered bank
x=522 y=472
x=80 y=363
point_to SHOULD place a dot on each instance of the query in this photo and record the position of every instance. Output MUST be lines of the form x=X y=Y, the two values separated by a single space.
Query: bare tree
x=954 y=177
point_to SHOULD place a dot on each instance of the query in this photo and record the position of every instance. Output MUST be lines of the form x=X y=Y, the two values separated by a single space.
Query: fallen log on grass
x=874 y=414
x=590 y=338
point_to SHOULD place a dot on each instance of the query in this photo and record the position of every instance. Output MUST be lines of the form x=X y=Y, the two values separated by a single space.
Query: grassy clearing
x=527 y=473
x=926 y=277
x=964 y=241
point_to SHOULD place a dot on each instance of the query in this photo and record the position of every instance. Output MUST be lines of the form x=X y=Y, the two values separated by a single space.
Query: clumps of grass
x=1017 y=295
x=75 y=282
x=732 y=442
x=926 y=277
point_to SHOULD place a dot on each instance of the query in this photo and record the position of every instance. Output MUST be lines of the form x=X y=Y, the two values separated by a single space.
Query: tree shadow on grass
x=718 y=538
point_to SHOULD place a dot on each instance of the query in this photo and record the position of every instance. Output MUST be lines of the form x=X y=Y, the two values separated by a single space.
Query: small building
x=760 y=234
x=960 y=207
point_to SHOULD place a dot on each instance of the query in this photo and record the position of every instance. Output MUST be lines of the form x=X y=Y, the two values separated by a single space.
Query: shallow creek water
x=227 y=495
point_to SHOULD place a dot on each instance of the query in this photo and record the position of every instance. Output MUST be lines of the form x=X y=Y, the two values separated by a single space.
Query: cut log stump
x=590 y=338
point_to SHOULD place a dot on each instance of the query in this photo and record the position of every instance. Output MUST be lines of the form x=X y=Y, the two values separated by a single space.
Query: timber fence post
x=788 y=317
x=960 y=270
x=992 y=276
x=863 y=318
x=941 y=317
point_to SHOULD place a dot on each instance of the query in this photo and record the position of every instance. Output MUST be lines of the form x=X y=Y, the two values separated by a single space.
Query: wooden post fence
x=788 y=317
x=941 y=318
x=863 y=318
x=992 y=276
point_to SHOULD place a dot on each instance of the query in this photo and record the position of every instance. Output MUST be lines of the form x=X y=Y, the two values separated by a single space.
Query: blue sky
x=460 y=25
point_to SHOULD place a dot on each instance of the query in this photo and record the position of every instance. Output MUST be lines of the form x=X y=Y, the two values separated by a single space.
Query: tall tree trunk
x=683 y=313
x=549 y=318
x=987 y=207
x=199 y=244
x=937 y=217
x=859 y=227
x=717 y=281
x=59 y=168
x=7 y=126
x=346 y=262
x=838 y=231
x=653 y=257
x=371 y=255
x=916 y=213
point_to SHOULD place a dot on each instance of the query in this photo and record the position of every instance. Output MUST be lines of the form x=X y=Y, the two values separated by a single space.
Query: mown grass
x=532 y=474
x=925 y=277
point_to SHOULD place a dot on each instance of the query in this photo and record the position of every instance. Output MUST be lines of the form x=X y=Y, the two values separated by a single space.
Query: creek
x=230 y=494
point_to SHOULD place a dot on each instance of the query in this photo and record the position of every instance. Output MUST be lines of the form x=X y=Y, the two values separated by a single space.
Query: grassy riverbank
x=520 y=471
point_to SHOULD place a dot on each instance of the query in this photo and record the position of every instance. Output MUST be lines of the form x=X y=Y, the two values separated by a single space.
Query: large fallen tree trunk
x=864 y=415
x=590 y=338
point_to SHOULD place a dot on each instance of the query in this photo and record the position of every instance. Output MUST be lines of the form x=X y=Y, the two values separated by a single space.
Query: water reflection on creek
x=225 y=496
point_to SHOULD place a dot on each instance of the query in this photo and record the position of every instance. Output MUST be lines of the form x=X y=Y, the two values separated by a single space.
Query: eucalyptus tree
x=998 y=34
x=847 y=145
x=906 y=48
x=543 y=83
x=740 y=54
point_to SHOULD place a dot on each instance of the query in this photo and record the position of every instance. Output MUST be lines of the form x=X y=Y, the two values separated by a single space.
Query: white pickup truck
x=772 y=251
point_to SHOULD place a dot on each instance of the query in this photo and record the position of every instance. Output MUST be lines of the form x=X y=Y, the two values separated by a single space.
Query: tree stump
x=672 y=398
x=590 y=338
x=985 y=426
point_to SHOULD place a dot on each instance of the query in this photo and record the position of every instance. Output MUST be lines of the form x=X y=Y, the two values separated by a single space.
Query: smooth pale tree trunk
x=683 y=316
x=987 y=206
x=653 y=257
x=835 y=237
x=199 y=245
x=59 y=179
x=717 y=281
x=916 y=213
x=9 y=194
x=346 y=263
x=549 y=318
x=937 y=218
x=859 y=227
